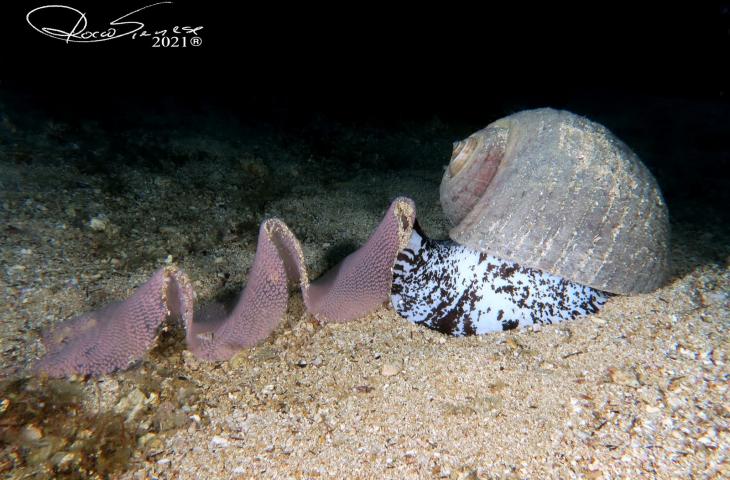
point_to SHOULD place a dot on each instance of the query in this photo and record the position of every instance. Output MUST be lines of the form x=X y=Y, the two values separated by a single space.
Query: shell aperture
x=459 y=291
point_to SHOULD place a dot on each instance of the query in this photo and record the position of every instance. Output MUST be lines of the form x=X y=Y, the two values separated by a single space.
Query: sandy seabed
x=638 y=391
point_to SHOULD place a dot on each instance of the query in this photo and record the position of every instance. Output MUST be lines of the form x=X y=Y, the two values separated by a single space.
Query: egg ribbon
x=115 y=336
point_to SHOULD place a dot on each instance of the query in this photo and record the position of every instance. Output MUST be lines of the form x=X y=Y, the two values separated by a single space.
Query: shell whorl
x=554 y=191
x=474 y=163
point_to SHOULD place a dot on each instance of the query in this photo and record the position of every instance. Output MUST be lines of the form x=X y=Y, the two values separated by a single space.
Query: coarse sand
x=638 y=391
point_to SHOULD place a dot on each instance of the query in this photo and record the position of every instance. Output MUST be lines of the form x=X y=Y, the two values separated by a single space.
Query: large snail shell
x=554 y=191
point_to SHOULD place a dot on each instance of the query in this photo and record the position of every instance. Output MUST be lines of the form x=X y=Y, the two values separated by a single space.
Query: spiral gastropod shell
x=551 y=213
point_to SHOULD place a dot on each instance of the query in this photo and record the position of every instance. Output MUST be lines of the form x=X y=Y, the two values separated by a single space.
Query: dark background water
x=653 y=75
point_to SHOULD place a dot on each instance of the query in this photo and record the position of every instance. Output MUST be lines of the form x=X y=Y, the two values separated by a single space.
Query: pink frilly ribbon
x=117 y=335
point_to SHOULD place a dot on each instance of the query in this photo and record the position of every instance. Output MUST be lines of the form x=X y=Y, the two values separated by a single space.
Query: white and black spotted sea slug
x=458 y=291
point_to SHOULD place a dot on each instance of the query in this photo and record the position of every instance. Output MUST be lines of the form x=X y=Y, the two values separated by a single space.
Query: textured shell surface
x=554 y=191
